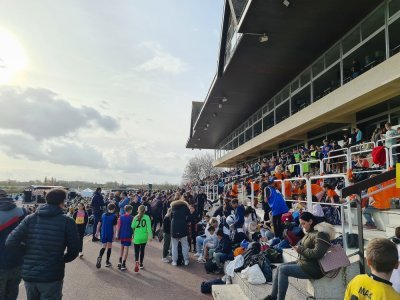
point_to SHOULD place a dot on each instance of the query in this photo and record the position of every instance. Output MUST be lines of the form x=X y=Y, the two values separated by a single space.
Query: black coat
x=179 y=219
x=44 y=236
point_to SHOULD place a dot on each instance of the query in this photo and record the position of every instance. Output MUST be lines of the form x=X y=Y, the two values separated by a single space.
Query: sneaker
x=98 y=264
x=119 y=266
x=95 y=239
x=141 y=266
x=197 y=255
x=137 y=267
x=201 y=261
x=80 y=254
x=123 y=267
x=108 y=264
x=186 y=262
x=165 y=260
x=269 y=297
x=174 y=263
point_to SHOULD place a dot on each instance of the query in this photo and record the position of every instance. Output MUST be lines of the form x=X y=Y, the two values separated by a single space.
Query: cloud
x=161 y=61
x=64 y=153
x=42 y=114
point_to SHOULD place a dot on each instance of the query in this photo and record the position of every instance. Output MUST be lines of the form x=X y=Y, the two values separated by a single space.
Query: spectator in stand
x=312 y=247
x=376 y=136
x=10 y=259
x=44 y=236
x=346 y=141
x=179 y=230
x=391 y=140
x=355 y=68
x=376 y=202
x=278 y=207
x=97 y=208
x=359 y=136
x=223 y=251
x=201 y=200
x=239 y=215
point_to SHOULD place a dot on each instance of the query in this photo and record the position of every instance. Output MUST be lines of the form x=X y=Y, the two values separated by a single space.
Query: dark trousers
x=81 y=233
x=139 y=252
x=44 y=290
x=156 y=220
x=278 y=227
x=96 y=219
x=9 y=283
x=167 y=244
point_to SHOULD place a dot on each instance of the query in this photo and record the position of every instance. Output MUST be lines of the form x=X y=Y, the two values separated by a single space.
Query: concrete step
x=258 y=292
x=390 y=229
x=228 y=292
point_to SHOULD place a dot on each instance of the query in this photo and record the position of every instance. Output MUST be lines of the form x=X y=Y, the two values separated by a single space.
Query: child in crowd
x=224 y=249
x=209 y=244
x=81 y=219
x=167 y=236
x=395 y=279
x=142 y=232
x=124 y=234
x=193 y=219
x=382 y=258
x=107 y=224
x=201 y=240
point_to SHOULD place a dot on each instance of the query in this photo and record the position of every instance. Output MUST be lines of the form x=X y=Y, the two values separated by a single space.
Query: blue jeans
x=280 y=280
x=367 y=213
x=199 y=244
x=44 y=290
x=220 y=258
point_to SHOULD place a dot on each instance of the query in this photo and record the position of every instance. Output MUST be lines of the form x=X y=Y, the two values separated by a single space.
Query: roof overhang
x=298 y=35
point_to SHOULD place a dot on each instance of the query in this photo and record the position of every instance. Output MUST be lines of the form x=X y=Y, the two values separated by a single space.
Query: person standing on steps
x=97 y=208
x=142 y=233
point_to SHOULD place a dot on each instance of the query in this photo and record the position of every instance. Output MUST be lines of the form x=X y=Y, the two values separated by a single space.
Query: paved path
x=157 y=281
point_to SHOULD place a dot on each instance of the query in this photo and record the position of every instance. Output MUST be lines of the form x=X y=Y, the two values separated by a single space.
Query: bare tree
x=199 y=168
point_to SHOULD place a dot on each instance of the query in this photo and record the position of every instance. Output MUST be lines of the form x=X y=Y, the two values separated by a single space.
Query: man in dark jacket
x=156 y=211
x=179 y=230
x=201 y=200
x=44 y=236
x=10 y=261
x=98 y=209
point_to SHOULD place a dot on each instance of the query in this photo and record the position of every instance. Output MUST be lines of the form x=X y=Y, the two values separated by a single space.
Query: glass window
x=332 y=55
x=352 y=40
x=394 y=37
x=257 y=128
x=318 y=67
x=241 y=139
x=305 y=77
x=295 y=85
x=285 y=92
x=278 y=99
x=249 y=134
x=373 y=23
x=394 y=7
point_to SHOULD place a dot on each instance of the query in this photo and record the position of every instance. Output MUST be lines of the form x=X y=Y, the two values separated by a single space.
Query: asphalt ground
x=157 y=280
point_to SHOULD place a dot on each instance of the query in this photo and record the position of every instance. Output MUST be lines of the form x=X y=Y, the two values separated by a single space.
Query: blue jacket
x=224 y=245
x=122 y=204
x=98 y=204
x=276 y=202
x=10 y=217
x=239 y=216
x=44 y=236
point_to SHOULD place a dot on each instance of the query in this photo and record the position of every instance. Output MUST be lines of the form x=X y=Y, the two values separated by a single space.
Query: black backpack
x=210 y=266
x=207 y=285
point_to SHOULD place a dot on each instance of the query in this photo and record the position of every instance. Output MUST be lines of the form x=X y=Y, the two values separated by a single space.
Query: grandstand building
x=295 y=72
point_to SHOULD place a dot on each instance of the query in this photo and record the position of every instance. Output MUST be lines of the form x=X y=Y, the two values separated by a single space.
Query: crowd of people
x=185 y=223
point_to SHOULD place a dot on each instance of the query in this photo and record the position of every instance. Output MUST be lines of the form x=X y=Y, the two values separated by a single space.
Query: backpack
x=206 y=286
x=180 y=260
x=332 y=215
x=210 y=266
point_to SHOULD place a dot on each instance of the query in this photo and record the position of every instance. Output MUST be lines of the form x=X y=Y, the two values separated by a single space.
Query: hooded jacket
x=10 y=217
x=179 y=219
x=98 y=203
x=313 y=247
x=44 y=236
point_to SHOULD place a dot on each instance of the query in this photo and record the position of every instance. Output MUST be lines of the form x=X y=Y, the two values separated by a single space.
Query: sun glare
x=12 y=57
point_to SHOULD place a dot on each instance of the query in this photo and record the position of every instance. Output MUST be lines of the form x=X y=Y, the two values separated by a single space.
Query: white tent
x=87 y=193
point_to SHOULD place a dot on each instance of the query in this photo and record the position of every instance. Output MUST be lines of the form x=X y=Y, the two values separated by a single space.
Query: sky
x=100 y=90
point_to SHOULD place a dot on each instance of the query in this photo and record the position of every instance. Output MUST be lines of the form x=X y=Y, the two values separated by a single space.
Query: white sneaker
x=80 y=254
x=200 y=258
x=201 y=261
x=174 y=263
x=165 y=260
x=197 y=255
x=186 y=262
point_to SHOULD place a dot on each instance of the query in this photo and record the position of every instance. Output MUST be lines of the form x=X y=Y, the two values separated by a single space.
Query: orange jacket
x=381 y=199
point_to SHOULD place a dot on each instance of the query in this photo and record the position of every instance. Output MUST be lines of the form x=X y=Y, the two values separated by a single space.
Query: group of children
x=125 y=228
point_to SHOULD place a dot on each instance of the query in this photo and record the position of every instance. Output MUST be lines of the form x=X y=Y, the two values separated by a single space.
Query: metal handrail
x=391 y=162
